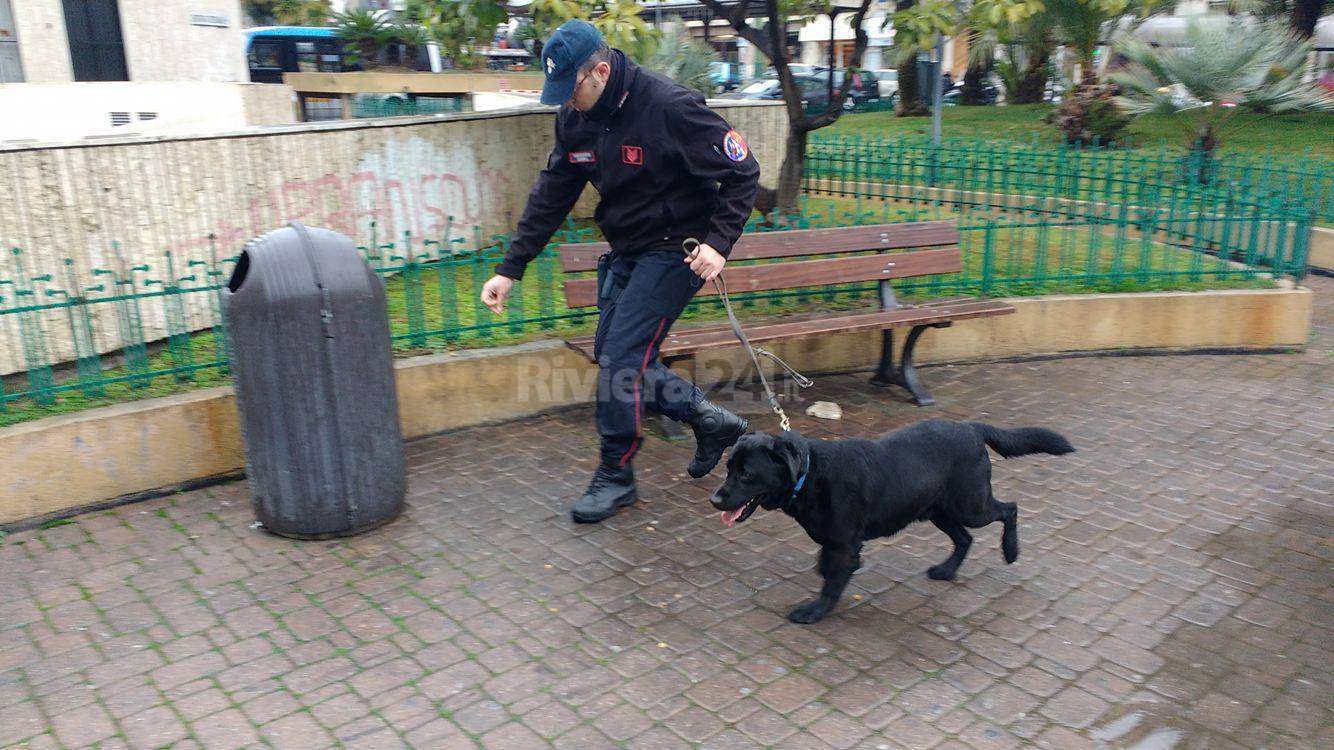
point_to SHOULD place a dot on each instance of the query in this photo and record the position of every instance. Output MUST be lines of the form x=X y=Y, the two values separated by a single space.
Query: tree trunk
x=1088 y=74
x=369 y=51
x=1033 y=81
x=910 y=91
x=1200 y=159
x=789 y=177
x=771 y=42
x=971 y=92
x=1305 y=14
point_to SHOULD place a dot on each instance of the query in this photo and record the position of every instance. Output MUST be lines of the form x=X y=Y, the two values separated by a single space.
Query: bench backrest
x=582 y=292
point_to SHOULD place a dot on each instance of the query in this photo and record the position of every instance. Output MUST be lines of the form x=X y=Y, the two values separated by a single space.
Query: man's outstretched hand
x=706 y=262
x=496 y=291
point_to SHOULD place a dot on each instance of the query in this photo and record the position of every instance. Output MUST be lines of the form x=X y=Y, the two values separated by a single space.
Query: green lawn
x=1251 y=134
x=203 y=347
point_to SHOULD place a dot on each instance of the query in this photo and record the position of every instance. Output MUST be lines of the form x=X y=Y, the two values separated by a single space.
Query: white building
x=60 y=41
x=815 y=40
x=80 y=68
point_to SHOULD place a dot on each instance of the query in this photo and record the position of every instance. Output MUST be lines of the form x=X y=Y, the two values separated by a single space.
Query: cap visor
x=557 y=91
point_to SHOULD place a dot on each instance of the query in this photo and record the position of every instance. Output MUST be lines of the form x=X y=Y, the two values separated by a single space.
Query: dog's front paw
x=942 y=572
x=808 y=613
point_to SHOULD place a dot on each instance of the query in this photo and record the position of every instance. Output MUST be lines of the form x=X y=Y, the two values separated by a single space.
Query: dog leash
x=719 y=284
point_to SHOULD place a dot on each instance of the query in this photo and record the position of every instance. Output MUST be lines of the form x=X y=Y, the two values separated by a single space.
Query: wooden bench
x=904 y=251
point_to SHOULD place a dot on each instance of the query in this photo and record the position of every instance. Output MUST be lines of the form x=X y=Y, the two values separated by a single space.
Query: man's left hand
x=706 y=262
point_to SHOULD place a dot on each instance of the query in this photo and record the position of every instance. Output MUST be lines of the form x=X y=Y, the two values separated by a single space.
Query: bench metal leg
x=905 y=375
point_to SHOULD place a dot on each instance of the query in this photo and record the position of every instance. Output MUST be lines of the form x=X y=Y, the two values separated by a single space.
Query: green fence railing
x=1000 y=175
x=392 y=105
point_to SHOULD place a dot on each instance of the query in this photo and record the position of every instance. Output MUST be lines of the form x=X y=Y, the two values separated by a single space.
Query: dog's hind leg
x=1006 y=513
x=1010 y=538
x=962 y=541
x=836 y=567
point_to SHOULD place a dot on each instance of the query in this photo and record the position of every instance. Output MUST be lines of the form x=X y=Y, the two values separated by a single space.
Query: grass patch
x=202 y=344
x=1248 y=134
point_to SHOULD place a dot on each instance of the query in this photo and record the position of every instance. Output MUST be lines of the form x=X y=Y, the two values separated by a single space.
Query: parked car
x=888 y=82
x=813 y=91
x=798 y=69
x=990 y=93
x=865 y=86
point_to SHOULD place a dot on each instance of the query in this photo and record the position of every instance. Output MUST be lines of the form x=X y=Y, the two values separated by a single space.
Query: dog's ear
x=790 y=449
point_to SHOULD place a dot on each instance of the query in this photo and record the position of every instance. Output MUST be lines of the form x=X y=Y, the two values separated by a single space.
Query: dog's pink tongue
x=730 y=516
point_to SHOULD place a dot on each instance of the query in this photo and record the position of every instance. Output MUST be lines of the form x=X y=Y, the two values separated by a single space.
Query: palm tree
x=365 y=34
x=618 y=20
x=1222 y=68
x=683 y=60
x=1016 y=37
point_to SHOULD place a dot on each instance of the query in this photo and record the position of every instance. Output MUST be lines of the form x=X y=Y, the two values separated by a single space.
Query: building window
x=11 y=68
x=95 y=44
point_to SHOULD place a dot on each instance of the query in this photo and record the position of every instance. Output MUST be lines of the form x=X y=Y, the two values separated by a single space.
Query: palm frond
x=1219 y=67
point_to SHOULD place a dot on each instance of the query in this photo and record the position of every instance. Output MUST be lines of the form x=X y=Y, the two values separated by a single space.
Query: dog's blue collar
x=801 y=480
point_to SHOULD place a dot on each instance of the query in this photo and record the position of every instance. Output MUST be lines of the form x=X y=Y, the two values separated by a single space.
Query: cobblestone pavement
x=1174 y=591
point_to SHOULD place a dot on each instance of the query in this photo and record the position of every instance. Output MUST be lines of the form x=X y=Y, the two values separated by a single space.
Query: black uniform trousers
x=639 y=297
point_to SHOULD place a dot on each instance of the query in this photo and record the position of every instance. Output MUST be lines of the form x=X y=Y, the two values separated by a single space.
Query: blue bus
x=274 y=50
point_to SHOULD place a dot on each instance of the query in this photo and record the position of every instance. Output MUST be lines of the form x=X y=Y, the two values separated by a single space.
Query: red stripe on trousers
x=653 y=343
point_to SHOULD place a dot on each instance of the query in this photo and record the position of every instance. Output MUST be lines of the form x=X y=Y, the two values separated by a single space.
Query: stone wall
x=188 y=203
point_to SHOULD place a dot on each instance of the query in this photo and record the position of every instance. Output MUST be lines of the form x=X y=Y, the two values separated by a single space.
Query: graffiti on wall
x=407 y=185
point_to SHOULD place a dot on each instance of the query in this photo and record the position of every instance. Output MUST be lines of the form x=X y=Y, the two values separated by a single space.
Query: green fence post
x=36 y=357
x=86 y=360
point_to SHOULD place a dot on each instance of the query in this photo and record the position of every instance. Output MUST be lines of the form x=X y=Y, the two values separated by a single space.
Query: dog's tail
x=1023 y=441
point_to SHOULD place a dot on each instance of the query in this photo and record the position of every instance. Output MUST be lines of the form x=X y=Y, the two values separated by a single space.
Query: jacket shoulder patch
x=734 y=146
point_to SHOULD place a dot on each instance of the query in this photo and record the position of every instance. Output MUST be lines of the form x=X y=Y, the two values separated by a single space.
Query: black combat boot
x=612 y=488
x=716 y=430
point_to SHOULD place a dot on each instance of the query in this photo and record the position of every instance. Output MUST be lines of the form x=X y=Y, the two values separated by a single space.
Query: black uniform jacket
x=665 y=165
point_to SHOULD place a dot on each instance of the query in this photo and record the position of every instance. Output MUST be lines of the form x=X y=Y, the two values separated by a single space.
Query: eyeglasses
x=579 y=82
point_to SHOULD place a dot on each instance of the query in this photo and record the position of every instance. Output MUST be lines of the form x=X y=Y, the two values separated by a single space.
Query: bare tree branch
x=737 y=18
x=834 y=108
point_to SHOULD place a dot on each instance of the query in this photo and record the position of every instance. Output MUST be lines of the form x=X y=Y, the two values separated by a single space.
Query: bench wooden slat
x=692 y=340
x=586 y=342
x=798 y=242
x=803 y=273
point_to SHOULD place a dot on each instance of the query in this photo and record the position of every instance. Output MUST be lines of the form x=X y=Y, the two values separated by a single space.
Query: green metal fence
x=379 y=105
x=1080 y=225
x=1192 y=193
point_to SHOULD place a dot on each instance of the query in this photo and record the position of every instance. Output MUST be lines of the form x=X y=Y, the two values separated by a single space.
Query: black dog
x=845 y=492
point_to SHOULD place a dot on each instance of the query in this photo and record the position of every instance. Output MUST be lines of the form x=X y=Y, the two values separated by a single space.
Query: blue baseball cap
x=567 y=49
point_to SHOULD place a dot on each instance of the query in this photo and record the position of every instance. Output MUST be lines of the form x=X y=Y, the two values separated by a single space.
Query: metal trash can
x=314 y=380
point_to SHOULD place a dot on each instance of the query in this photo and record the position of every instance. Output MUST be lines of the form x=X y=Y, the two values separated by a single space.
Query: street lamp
x=836 y=7
x=930 y=71
x=937 y=87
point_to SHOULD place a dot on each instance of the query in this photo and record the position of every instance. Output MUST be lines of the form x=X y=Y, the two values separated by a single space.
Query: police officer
x=667 y=168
